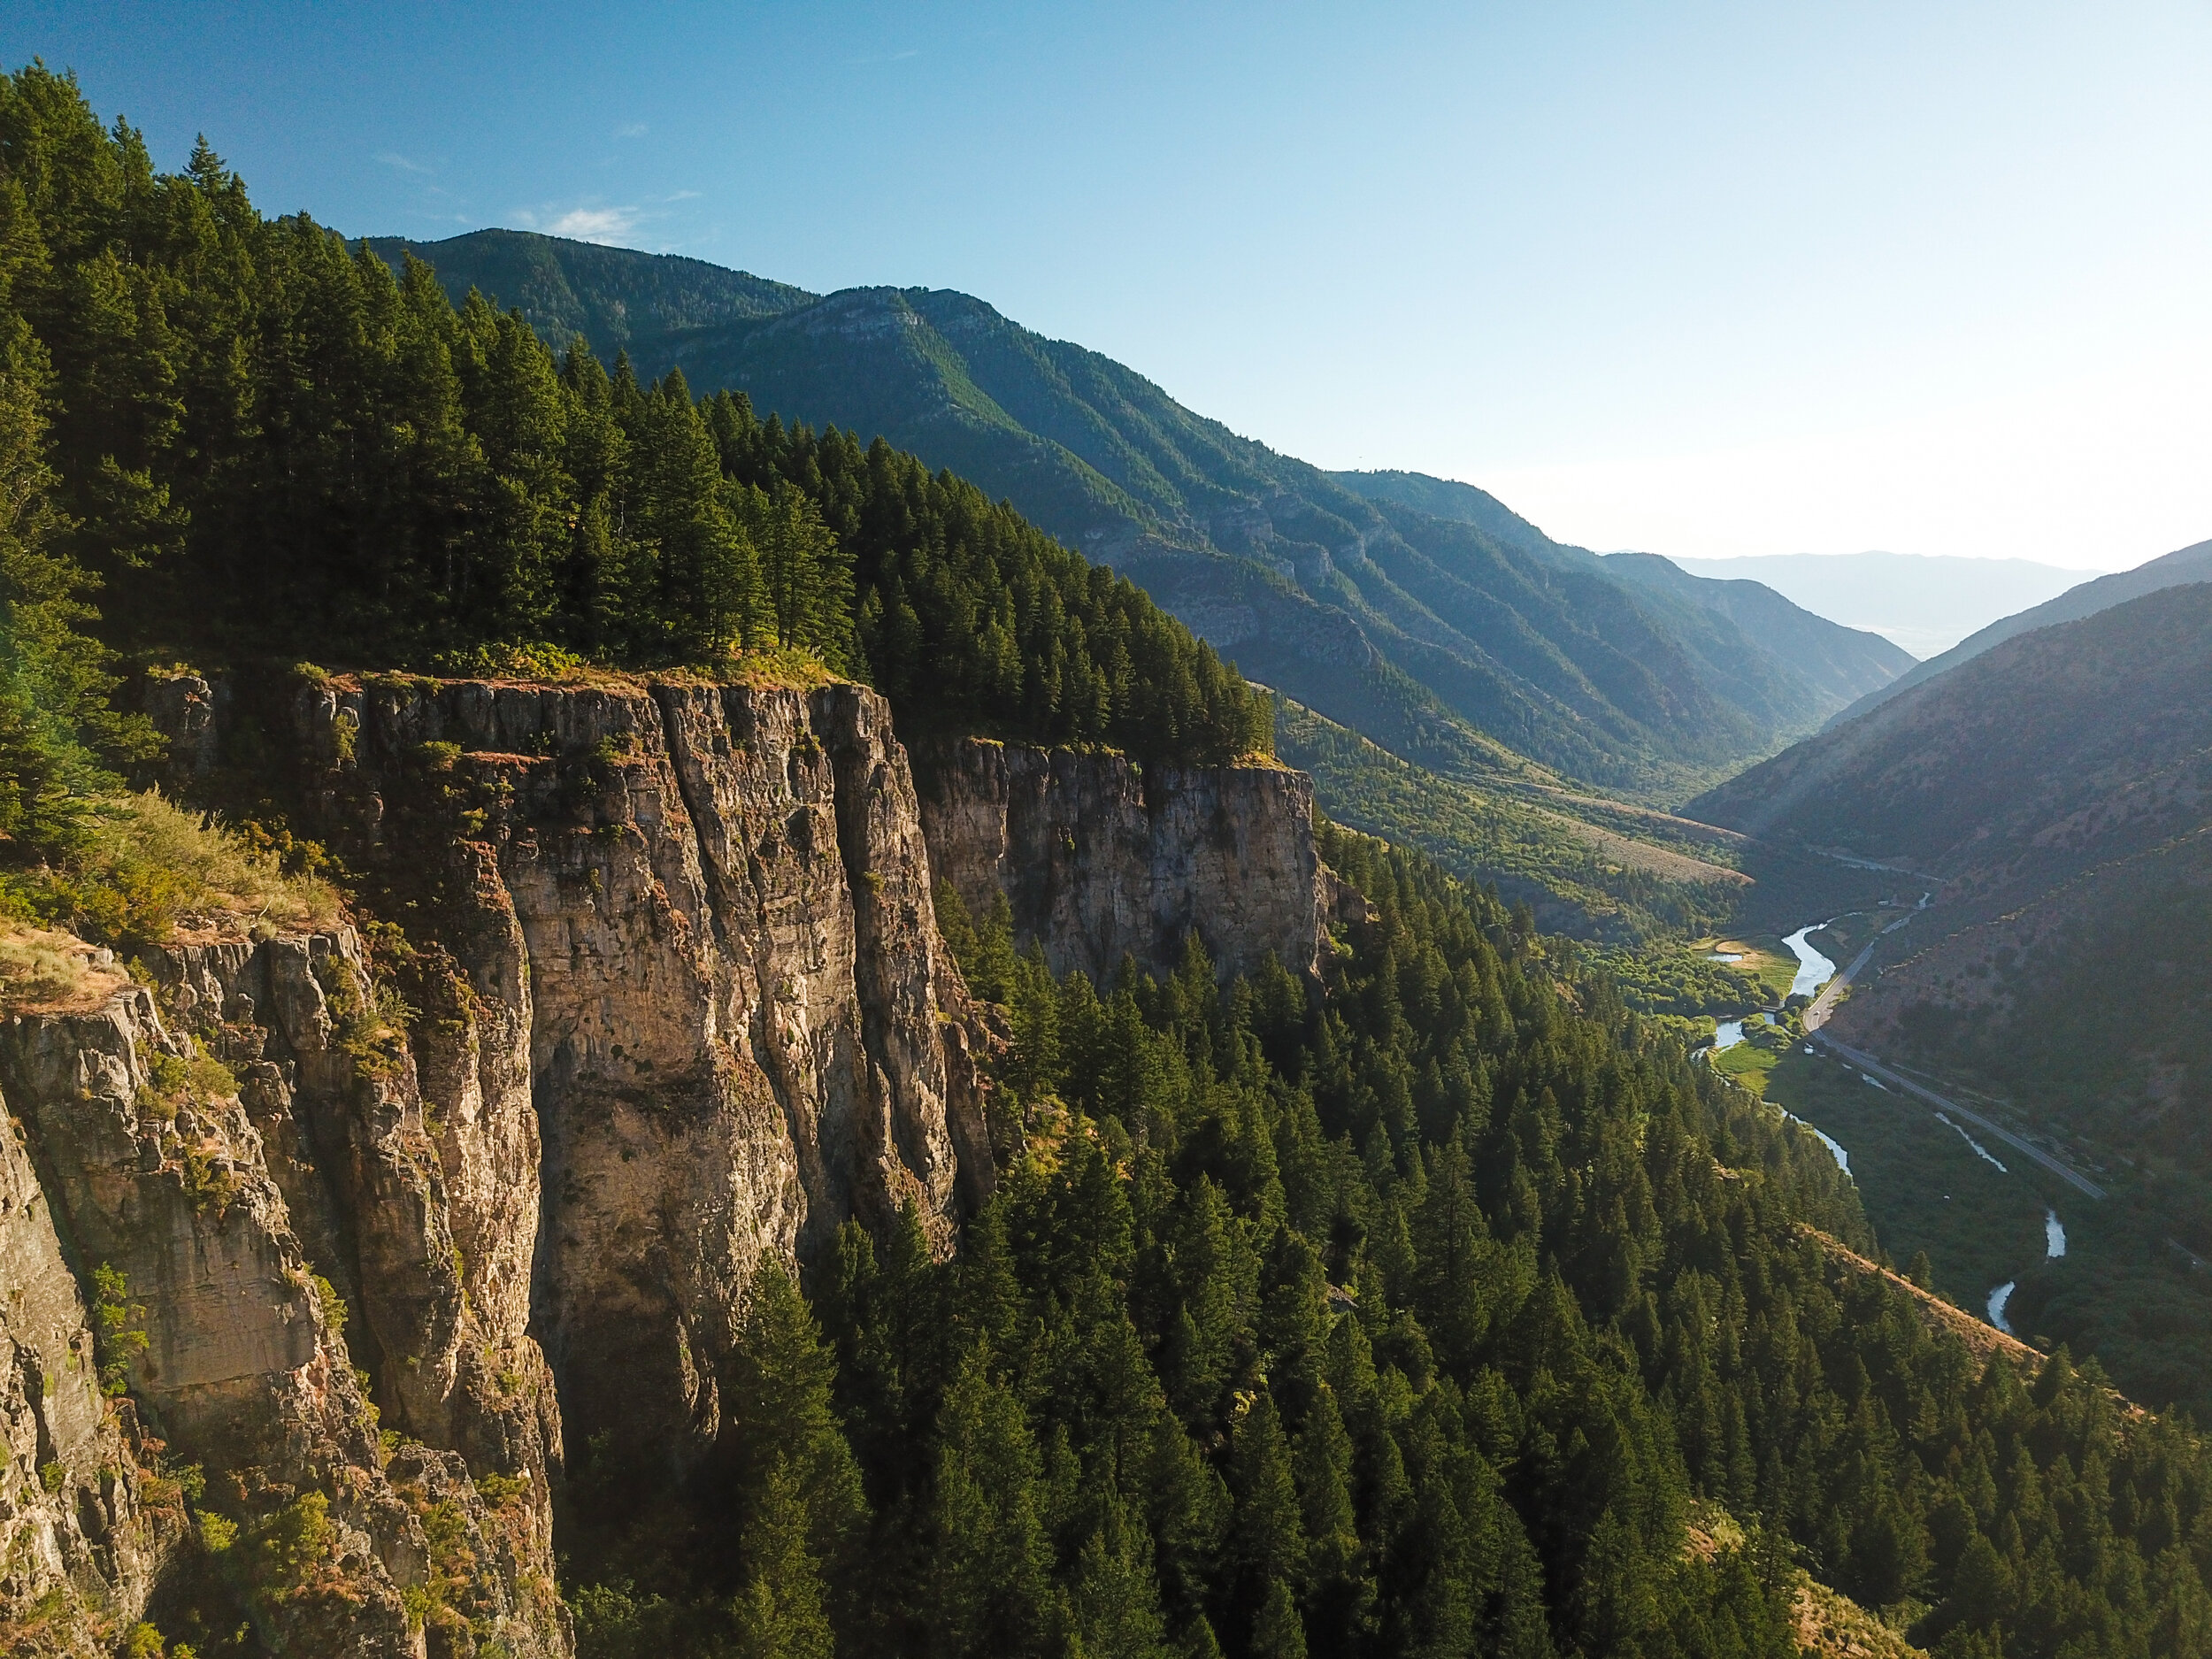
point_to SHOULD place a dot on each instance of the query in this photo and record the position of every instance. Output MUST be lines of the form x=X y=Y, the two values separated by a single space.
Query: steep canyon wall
x=1100 y=860
x=474 y=1201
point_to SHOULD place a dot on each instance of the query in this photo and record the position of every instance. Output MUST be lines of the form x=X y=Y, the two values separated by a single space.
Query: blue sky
x=1707 y=280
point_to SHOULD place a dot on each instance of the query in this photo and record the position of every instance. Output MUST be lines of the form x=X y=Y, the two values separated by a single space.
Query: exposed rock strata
x=1098 y=860
x=233 y=1350
x=79 y=1547
x=690 y=932
x=679 y=1004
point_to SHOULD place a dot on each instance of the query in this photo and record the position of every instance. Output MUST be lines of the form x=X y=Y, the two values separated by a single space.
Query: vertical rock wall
x=80 y=1546
x=667 y=999
x=687 y=934
x=1099 y=860
x=218 y=1209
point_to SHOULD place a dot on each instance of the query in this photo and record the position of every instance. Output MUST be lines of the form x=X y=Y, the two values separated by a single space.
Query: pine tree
x=793 y=1483
x=988 y=1587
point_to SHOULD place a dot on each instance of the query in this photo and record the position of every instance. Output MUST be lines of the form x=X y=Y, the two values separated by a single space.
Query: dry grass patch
x=1835 y=1626
x=154 y=871
x=44 y=972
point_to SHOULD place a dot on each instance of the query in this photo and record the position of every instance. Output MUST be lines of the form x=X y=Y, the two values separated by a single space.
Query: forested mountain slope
x=565 y=288
x=2059 y=748
x=1306 y=582
x=1427 y=1303
x=264 y=441
x=1837 y=661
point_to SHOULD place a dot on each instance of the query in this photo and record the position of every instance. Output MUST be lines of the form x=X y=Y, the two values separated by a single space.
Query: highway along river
x=1815 y=970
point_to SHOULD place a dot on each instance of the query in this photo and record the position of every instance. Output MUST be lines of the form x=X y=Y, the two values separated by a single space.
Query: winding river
x=2054 y=1247
x=1814 y=971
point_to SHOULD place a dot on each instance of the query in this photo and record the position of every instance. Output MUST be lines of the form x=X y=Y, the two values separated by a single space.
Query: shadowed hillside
x=2056 y=790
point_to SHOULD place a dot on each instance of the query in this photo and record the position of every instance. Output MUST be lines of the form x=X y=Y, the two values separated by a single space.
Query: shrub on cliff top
x=41 y=969
x=146 y=864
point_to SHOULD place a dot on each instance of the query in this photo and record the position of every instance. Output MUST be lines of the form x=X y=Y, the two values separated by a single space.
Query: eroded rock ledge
x=690 y=955
x=1099 y=860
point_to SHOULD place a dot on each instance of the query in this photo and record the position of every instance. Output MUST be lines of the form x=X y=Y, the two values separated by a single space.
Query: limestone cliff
x=399 y=1228
x=1098 y=860
x=690 y=1006
x=80 y=1543
x=193 y=1169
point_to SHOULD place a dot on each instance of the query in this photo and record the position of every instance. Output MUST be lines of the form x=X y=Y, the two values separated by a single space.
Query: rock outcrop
x=392 y=1225
x=216 y=1211
x=1098 y=860
x=691 y=1006
x=80 y=1545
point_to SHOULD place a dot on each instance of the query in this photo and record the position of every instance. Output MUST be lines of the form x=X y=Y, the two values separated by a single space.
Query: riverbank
x=1926 y=1182
x=1923 y=1186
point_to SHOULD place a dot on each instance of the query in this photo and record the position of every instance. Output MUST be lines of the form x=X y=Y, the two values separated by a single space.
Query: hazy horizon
x=1923 y=602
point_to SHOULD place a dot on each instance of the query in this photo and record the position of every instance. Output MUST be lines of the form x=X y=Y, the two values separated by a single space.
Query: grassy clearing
x=1765 y=958
x=1922 y=1186
x=1747 y=1065
x=1753 y=1060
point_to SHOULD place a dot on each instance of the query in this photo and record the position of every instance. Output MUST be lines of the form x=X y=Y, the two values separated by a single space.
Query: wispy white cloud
x=681 y=195
x=602 y=224
x=393 y=159
x=630 y=129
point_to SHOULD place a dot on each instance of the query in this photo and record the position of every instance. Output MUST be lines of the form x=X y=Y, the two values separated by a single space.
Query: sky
x=1703 y=280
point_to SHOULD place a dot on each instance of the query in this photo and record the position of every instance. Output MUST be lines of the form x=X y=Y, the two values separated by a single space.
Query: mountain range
x=1926 y=603
x=544 y=1117
x=2191 y=564
x=1456 y=635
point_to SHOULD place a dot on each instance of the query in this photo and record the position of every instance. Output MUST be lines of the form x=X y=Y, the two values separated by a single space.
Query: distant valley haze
x=1925 y=604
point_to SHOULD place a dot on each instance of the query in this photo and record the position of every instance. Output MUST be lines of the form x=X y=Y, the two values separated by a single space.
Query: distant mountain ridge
x=1926 y=602
x=2192 y=564
x=1440 y=636
x=609 y=296
x=1844 y=660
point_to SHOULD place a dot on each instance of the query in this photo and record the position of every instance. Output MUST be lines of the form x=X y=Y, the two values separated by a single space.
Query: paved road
x=1817 y=1012
x=1872 y=1067
x=1816 y=1015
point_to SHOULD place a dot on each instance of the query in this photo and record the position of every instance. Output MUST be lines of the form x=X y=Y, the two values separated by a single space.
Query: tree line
x=243 y=436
